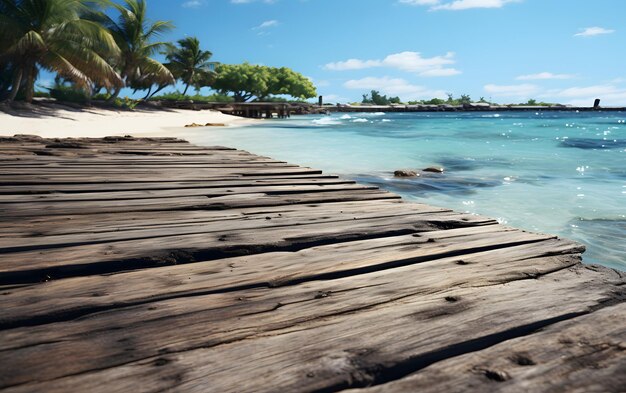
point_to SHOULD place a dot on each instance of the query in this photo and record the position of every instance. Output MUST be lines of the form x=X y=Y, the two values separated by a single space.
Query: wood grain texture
x=149 y=264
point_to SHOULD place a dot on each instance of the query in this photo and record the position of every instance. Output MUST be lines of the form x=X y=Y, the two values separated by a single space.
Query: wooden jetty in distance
x=255 y=110
x=154 y=265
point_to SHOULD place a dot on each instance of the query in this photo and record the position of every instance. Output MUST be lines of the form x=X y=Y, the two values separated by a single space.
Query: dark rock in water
x=113 y=139
x=455 y=164
x=591 y=143
x=25 y=138
x=65 y=145
x=429 y=183
x=433 y=169
x=405 y=173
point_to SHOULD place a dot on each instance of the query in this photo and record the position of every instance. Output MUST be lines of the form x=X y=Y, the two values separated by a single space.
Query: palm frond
x=158 y=28
x=31 y=42
x=92 y=34
x=54 y=62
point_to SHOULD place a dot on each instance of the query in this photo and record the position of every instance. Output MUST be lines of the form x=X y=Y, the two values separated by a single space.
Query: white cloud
x=517 y=91
x=609 y=95
x=394 y=87
x=352 y=64
x=468 y=4
x=544 y=75
x=263 y=27
x=591 y=31
x=252 y=1
x=420 y=2
x=414 y=62
x=458 y=5
x=267 y=24
x=440 y=72
x=192 y=4
x=405 y=61
x=597 y=90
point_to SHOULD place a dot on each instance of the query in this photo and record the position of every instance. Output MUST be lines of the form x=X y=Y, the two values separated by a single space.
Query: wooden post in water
x=320 y=101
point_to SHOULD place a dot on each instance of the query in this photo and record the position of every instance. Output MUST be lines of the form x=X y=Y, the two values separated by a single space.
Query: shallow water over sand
x=554 y=172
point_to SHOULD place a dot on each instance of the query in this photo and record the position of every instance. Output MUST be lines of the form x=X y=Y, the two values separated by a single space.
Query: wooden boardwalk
x=149 y=265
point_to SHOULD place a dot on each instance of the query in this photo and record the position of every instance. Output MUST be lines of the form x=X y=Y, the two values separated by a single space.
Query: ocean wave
x=591 y=143
x=360 y=120
x=326 y=121
x=345 y=117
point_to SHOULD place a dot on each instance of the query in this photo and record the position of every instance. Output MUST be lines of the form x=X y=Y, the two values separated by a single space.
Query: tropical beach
x=270 y=212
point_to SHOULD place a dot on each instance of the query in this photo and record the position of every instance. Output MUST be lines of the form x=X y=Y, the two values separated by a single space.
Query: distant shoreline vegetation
x=376 y=98
x=98 y=47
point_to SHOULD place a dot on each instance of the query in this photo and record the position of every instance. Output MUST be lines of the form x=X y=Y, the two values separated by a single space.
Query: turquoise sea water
x=553 y=172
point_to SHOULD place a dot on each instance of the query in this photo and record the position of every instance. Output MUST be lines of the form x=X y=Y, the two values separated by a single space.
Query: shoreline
x=310 y=108
x=61 y=121
x=470 y=108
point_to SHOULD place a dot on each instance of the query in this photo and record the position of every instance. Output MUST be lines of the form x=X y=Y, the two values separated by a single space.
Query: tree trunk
x=185 y=91
x=30 y=83
x=116 y=93
x=158 y=90
x=148 y=95
x=17 y=82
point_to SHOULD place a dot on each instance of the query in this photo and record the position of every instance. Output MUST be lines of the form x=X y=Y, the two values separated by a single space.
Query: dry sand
x=55 y=121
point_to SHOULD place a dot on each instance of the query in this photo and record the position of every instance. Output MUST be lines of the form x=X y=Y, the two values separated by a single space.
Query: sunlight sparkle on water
x=526 y=183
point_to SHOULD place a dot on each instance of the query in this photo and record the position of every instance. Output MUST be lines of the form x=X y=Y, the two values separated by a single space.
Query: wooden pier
x=255 y=110
x=145 y=265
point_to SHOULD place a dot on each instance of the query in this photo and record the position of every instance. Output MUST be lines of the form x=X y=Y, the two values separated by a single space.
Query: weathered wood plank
x=76 y=295
x=114 y=222
x=218 y=202
x=81 y=259
x=145 y=175
x=220 y=223
x=586 y=354
x=208 y=192
x=233 y=182
x=352 y=346
x=90 y=183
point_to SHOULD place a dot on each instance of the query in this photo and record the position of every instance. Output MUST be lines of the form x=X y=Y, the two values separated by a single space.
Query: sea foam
x=325 y=121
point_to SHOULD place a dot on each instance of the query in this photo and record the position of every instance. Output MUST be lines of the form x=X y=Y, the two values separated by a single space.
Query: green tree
x=188 y=62
x=465 y=99
x=288 y=82
x=135 y=35
x=56 y=35
x=435 y=101
x=246 y=81
x=378 y=99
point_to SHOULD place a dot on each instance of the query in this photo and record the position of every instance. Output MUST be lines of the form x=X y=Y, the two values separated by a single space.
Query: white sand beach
x=61 y=121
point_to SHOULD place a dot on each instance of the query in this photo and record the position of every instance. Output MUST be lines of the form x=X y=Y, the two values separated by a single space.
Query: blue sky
x=568 y=51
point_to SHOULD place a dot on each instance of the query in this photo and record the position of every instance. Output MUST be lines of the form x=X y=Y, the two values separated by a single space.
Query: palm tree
x=188 y=62
x=58 y=36
x=134 y=35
